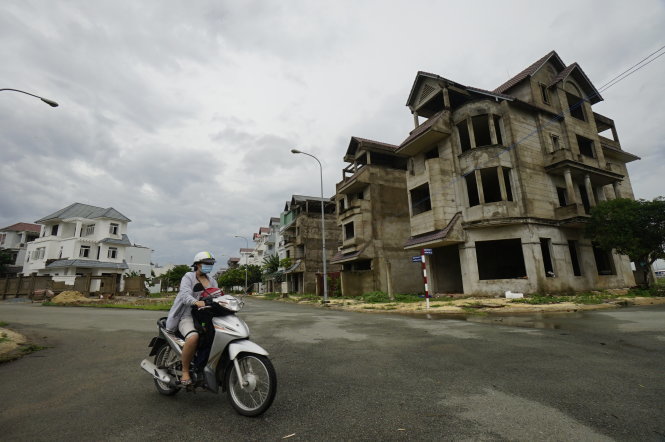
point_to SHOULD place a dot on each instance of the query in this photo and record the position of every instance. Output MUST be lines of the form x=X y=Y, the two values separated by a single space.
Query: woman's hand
x=200 y=304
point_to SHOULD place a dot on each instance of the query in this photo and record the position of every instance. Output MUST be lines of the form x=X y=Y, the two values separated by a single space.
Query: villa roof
x=86 y=264
x=78 y=210
x=23 y=227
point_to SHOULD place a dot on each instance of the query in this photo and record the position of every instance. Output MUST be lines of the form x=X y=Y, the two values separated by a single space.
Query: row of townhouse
x=78 y=240
x=495 y=186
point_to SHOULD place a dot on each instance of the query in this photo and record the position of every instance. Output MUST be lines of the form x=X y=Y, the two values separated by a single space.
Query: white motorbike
x=225 y=357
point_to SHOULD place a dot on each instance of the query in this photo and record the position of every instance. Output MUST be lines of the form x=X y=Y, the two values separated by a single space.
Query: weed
x=3 y=337
x=3 y=324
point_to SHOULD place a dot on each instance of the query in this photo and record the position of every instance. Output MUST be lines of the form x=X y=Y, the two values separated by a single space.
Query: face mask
x=206 y=268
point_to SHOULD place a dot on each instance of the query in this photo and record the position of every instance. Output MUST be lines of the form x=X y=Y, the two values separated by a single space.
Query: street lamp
x=45 y=100
x=323 y=227
x=247 y=247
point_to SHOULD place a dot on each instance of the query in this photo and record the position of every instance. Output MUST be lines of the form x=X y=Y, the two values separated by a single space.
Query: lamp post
x=45 y=100
x=247 y=247
x=323 y=227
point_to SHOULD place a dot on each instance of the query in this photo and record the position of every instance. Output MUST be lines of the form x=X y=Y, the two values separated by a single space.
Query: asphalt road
x=349 y=376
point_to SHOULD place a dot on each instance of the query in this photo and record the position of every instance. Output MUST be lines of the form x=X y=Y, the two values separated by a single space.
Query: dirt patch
x=72 y=297
x=10 y=344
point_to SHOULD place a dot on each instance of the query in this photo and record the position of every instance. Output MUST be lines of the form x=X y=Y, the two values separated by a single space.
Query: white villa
x=82 y=239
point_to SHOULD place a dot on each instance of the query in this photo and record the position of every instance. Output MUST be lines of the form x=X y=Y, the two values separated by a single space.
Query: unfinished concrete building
x=373 y=213
x=500 y=183
x=301 y=242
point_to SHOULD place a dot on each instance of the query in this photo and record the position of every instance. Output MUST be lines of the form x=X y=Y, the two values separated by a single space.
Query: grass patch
x=3 y=337
x=383 y=298
x=3 y=324
x=155 y=307
x=271 y=296
x=31 y=348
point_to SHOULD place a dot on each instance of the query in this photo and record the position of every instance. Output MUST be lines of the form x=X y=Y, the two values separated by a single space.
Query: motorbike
x=225 y=358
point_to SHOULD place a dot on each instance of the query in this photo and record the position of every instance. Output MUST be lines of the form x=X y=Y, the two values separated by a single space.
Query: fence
x=86 y=284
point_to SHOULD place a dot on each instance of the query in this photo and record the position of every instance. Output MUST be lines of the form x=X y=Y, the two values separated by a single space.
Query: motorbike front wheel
x=253 y=393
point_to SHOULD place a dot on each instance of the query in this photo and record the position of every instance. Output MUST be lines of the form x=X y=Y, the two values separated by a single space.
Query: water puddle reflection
x=553 y=321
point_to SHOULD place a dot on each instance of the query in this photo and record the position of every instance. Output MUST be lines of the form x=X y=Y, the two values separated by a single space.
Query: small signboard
x=416 y=259
x=427 y=251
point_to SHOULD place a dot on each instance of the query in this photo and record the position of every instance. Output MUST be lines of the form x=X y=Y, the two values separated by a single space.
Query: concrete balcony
x=360 y=177
x=358 y=207
x=425 y=136
x=572 y=215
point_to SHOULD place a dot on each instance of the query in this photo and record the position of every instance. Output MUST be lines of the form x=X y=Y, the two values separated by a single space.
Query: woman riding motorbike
x=180 y=318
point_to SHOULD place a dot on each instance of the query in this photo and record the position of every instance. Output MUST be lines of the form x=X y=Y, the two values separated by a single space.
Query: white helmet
x=204 y=257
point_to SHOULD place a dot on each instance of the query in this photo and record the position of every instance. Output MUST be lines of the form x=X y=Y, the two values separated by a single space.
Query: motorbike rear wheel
x=254 y=393
x=167 y=359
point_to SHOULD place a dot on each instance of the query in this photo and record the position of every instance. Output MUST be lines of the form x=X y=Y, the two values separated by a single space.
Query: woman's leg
x=188 y=351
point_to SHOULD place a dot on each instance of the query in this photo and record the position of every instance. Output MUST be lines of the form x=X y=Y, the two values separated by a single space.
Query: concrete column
x=617 y=191
x=479 y=185
x=570 y=188
x=490 y=121
x=446 y=99
x=78 y=232
x=589 y=191
x=502 y=184
x=472 y=136
x=601 y=194
x=415 y=119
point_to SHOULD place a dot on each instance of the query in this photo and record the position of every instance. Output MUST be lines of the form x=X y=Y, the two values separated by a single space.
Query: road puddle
x=552 y=321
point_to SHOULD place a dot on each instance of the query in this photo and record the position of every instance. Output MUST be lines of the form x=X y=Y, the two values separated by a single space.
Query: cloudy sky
x=182 y=114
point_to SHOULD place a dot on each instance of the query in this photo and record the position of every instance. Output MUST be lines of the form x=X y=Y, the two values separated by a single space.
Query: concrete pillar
x=415 y=119
x=446 y=99
x=502 y=184
x=472 y=136
x=78 y=232
x=479 y=185
x=490 y=121
x=601 y=194
x=589 y=190
x=570 y=188
x=617 y=191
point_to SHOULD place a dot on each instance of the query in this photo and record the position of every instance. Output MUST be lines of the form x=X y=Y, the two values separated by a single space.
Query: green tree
x=270 y=264
x=236 y=276
x=632 y=227
x=174 y=275
x=5 y=260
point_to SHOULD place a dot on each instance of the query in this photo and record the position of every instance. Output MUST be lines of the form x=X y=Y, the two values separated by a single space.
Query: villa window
x=604 y=261
x=490 y=182
x=432 y=153
x=349 y=231
x=546 y=250
x=2 y=238
x=500 y=259
x=39 y=253
x=465 y=141
x=562 y=195
x=556 y=145
x=481 y=130
x=89 y=230
x=575 y=106
x=84 y=252
x=544 y=93
x=54 y=230
x=586 y=147
x=574 y=257
x=113 y=230
x=420 y=200
x=113 y=252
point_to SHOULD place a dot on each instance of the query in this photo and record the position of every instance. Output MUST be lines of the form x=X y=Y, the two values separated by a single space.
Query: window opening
x=585 y=199
x=481 y=130
x=561 y=193
x=497 y=129
x=472 y=189
x=555 y=142
x=84 y=252
x=463 y=130
x=586 y=146
x=545 y=247
x=342 y=207
x=349 y=231
x=490 y=180
x=54 y=230
x=99 y=250
x=432 y=153
x=363 y=264
x=506 y=181
x=420 y=200
x=572 y=248
x=113 y=230
x=89 y=229
x=501 y=259
x=575 y=105
x=113 y=252
x=604 y=262
x=544 y=93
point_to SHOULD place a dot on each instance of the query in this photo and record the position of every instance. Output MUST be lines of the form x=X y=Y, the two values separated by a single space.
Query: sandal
x=186 y=382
